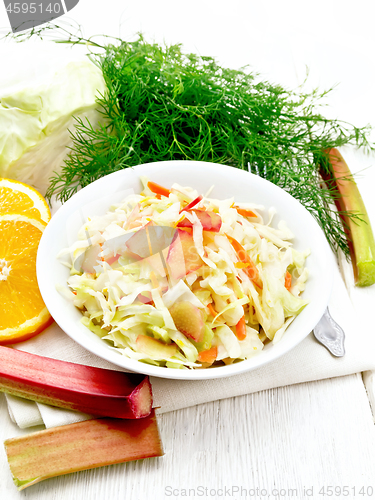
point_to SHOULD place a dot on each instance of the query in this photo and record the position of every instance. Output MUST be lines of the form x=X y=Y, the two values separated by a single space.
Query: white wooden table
x=284 y=443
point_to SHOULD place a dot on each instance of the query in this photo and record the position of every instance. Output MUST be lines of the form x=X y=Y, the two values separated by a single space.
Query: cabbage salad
x=180 y=280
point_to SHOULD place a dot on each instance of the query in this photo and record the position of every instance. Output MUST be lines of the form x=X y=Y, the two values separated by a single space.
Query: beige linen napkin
x=308 y=361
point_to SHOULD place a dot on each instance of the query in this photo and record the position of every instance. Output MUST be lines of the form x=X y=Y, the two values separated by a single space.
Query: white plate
x=229 y=182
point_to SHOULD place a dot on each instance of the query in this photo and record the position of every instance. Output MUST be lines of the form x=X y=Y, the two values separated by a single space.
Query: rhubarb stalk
x=80 y=446
x=83 y=388
x=358 y=230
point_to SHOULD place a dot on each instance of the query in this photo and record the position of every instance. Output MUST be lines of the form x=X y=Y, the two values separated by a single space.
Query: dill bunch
x=163 y=104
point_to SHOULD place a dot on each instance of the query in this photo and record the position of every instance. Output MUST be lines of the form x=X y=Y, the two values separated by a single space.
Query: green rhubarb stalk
x=357 y=224
x=83 y=388
x=80 y=446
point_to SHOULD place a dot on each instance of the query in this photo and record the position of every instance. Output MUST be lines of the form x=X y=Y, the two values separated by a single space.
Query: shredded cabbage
x=241 y=278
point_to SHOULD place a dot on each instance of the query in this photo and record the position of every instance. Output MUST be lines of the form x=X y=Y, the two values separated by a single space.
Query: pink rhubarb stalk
x=84 y=445
x=77 y=387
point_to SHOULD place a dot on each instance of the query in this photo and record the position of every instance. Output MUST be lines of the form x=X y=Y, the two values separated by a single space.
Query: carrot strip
x=212 y=310
x=245 y=212
x=244 y=257
x=208 y=356
x=101 y=250
x=241 y=329
x=238 y=248
x=157 y=189
x=288 y=280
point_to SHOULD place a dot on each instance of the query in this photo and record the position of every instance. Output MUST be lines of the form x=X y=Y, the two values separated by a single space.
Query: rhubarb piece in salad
x=192 y=204
x=183 y=257
x=210 y=221
x=90 y=259
x=188 y=320
x=81 y=446
x=358 y=230
x=154 y=348
x=96 y=391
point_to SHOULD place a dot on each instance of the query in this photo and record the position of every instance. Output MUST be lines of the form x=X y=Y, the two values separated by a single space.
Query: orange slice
x=19 y=198
x=24 y=313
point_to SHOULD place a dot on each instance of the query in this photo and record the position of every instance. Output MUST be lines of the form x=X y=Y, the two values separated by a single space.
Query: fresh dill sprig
x=163 y=104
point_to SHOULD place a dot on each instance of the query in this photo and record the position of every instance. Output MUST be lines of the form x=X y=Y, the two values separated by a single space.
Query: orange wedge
x=24 y=313
x=19 y=198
